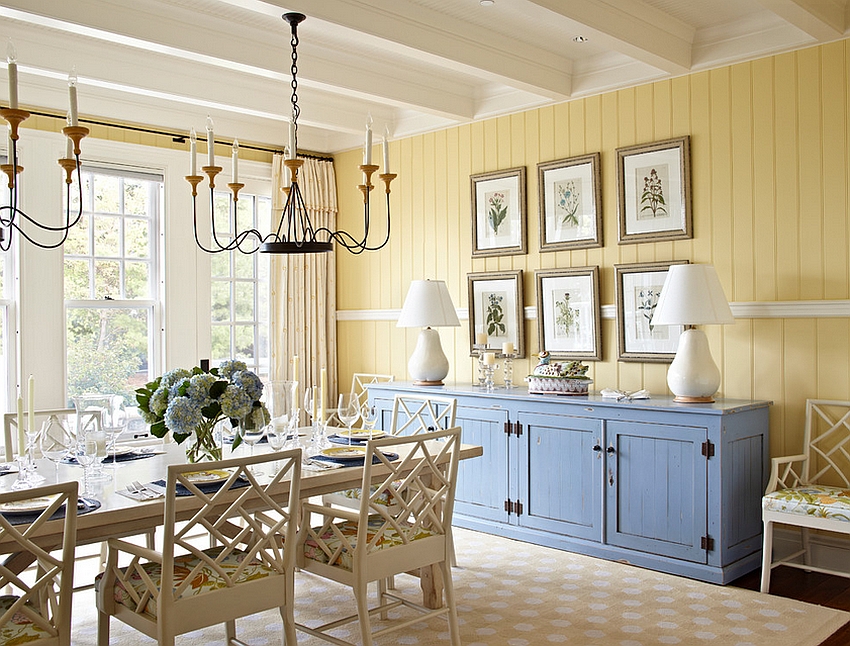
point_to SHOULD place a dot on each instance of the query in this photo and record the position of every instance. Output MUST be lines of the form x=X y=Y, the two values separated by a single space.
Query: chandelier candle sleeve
x=69 y=148
x=234 y=159
x=367 y=148
x=386 y=156
x=11 y=59
x=193 y=152
x=210 y=143
x=291 y=152
x=72 y=98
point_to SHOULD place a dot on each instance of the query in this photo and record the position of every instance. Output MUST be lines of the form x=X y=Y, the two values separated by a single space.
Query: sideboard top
x=520 y=393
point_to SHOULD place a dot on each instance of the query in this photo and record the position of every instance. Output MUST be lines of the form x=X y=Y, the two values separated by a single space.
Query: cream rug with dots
x=515 y=594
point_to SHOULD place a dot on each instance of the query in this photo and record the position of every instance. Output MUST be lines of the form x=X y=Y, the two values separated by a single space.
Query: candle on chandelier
x=234 y=161
x=69 y=148
x=72 y=97
x=12 y=61
x=210 y=142
x=290 y=153
x=386 y=155
x=193 y=153
x=367 y=147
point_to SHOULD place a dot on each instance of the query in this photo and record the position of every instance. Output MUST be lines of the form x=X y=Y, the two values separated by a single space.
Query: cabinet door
x=560 y=474
x=655 y=482
x=482 y=483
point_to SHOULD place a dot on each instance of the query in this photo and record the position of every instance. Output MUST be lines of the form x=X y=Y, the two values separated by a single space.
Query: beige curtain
x=303 y=286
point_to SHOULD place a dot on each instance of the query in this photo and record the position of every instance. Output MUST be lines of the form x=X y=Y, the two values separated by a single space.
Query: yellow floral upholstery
x=811 y=500
x=20 y=630
x=205 y=580
x=332 y=543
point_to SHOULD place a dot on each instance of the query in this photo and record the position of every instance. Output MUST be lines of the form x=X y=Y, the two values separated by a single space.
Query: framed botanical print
x=654 y=191
x=570 y=203
x=638 y=287
x=568 y=313
x=496 y=309
x=498 y=213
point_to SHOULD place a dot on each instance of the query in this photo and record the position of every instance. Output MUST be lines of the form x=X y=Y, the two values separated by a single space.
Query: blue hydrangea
x=182 y=416
x=249 y=382
x=235 y=402
x=173 y=376
x=159 y=401
x=199 y=388
x=227 y=368
x=174 y=390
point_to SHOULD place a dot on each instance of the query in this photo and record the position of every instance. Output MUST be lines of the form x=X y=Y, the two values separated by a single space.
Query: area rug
x=516 y=594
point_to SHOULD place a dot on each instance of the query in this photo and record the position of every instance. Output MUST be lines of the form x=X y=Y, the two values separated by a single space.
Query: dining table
x=119 y=515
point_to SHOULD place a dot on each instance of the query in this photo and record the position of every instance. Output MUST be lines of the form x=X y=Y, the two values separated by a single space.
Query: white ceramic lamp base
x=693 y=376
x=428 y=364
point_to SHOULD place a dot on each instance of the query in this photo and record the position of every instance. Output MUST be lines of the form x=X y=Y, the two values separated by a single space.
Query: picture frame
x=496 y=309
x=654 y=191
x=498 y=213
x=638 y=286
x=570 y=203
x=568 y=313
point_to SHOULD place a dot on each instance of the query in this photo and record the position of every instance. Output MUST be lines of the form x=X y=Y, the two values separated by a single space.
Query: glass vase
x=202 y=445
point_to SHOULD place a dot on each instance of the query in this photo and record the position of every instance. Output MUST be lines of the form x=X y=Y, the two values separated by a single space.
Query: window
x=111 y=277
x=7 y=362
x=240 y=286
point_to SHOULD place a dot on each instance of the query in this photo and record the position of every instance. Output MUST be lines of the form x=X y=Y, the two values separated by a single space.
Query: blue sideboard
x=667 y=486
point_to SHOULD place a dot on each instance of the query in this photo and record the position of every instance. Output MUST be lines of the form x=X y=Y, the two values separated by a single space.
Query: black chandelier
x=295 y=233
x=11 y=216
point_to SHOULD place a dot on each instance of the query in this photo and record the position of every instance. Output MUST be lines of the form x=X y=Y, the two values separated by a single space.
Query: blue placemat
x=84 y=506
x=206 y=487
x=112 y=459
x=339 y=439
x=354 y=462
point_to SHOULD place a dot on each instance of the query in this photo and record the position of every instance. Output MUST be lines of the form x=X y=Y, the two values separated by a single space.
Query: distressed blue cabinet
x=673 y=487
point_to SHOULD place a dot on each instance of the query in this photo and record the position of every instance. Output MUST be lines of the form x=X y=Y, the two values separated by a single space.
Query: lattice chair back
x=250 y=568
x=10 y=427
x=414 y=414
x=38 y=610
x=361 y=381
x=827 y=443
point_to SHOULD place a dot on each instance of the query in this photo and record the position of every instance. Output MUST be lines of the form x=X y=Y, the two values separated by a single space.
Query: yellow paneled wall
x=770 y=186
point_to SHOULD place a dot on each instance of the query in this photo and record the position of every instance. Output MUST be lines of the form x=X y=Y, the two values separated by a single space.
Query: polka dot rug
x=511 y=593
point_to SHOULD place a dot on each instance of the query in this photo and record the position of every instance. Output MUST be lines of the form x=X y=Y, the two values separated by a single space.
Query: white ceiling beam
x=187 y=36
x=823 y=20
x=462 y=47
x=633 y=28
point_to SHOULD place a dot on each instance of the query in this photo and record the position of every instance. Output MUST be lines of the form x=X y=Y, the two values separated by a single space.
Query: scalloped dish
x=546 y=385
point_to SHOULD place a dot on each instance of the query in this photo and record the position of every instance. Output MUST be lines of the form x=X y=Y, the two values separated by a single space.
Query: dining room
x=545 y=168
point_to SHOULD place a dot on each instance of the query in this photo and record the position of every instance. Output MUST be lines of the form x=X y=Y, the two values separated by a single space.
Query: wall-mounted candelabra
x=11 y=216
x=295 y=232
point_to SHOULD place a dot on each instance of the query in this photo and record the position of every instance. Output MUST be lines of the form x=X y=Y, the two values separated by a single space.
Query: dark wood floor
x=812 y=587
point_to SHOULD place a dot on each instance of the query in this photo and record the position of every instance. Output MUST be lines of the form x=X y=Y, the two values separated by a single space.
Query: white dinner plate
x=210 y=475
x=362 y=434
x=27 y=506
x=345 y=452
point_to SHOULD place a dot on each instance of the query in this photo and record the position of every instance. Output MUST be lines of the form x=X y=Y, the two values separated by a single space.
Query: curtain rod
x=177 y=137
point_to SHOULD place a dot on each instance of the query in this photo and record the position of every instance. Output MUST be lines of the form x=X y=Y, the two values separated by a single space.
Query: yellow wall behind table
x=770 y=180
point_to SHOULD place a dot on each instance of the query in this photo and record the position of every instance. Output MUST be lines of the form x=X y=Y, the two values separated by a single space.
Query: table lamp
x=428 y=305
x=692 y=295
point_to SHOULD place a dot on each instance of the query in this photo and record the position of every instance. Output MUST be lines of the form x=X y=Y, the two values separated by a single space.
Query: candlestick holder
x=508 y=369
x=478 y=351
x=489 y=371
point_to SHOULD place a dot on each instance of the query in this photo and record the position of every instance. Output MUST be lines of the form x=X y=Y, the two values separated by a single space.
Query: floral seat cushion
x=20 y=630
x=811 y=500
x=354 y=493
x=389 y=538
x=205 y=580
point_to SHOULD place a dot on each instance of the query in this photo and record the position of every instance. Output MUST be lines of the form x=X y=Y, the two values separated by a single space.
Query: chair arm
x=783 y=475
x=135 y=550
x=329 y=512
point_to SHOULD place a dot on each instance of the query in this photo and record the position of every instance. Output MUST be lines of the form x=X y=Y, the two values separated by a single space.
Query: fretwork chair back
x=378 y=540
x=10 y=427
x=359 y=388
x=185 y=586
x=39 y=609
x=810 y=490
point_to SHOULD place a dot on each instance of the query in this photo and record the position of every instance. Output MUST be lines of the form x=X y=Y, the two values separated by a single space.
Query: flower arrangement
x=189 y=403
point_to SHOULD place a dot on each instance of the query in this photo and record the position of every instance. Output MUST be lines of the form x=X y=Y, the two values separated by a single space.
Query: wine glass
x=348 y=411
x=251 y=434
x=32 y=435
x=55 y=441
x=86 y=454
x=369 y=416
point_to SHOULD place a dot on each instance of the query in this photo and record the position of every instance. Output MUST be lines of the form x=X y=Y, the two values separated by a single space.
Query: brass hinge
x=708 y=449
x=706 y=543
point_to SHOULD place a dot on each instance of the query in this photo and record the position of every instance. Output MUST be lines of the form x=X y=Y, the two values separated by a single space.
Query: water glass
x=348 y=411
x=56 y=442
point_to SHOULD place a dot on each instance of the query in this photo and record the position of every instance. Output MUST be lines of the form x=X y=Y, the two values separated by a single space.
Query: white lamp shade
x=692 y=295
x=428 y=304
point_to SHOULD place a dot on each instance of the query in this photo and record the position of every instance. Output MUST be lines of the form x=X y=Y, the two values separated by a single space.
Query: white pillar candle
x=193 y=152
x=386 y=155
x=507 y=347
x=31 y=403
x=481 y=338
x=489 y=358
x=234 y=161
x=367 y=147
x=72 y=97
x=12 y=60
x=21 y=440
x=210 y=143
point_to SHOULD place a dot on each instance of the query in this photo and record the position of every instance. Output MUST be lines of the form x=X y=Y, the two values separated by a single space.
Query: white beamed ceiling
x=413 y=65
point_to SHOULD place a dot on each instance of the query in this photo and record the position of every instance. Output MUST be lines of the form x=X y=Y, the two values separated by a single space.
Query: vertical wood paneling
x=770 y=190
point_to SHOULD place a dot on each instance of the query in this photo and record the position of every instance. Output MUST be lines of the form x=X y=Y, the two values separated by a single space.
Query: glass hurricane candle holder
x=478 y=351
x=508 y=370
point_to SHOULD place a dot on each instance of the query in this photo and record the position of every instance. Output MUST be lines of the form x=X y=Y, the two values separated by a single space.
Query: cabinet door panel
x=560 y=477
x=656 y=489
x=482 y=483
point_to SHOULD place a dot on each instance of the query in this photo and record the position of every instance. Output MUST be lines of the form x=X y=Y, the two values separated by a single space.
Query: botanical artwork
x=497 y=210
x=653 y=181
x=494 y=314
x=567 y=203
x=567 y=319
x=646 y=300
